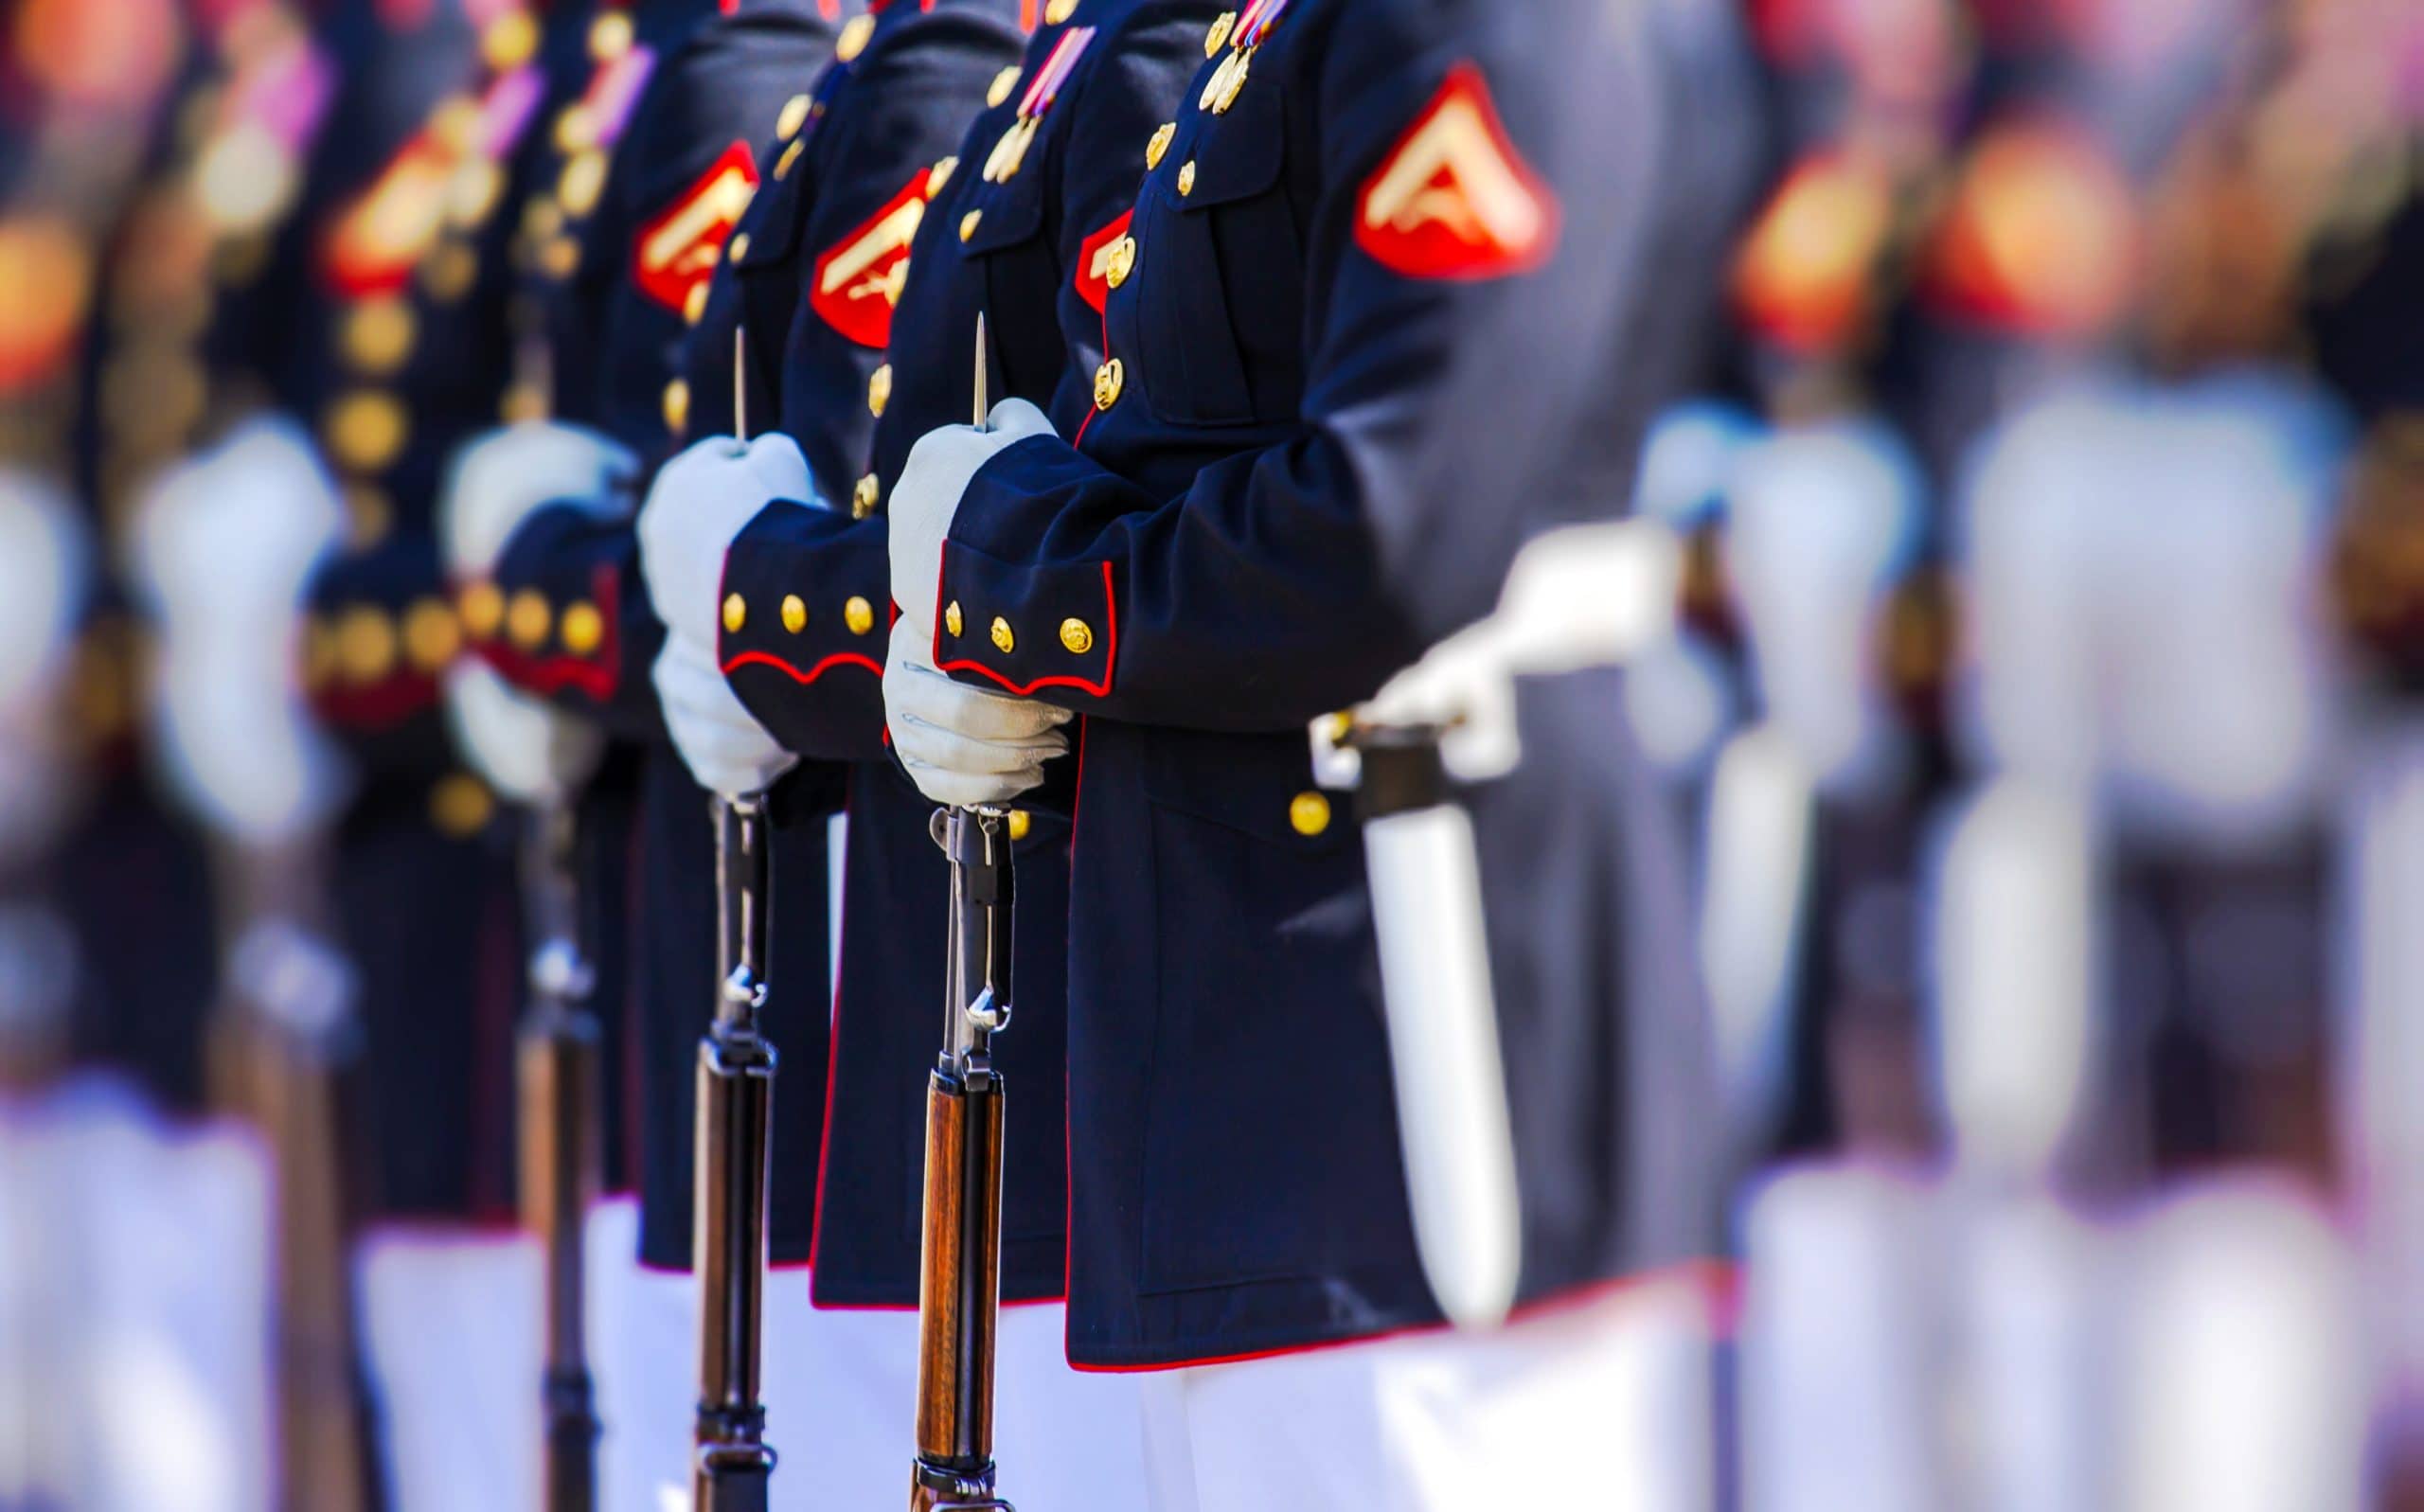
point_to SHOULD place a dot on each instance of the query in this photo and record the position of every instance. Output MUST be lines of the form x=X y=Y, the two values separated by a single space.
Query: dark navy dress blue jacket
x=814 y=282
x=619 y=253
x=422 y=882
x=1008 y=234
x=1393 y=297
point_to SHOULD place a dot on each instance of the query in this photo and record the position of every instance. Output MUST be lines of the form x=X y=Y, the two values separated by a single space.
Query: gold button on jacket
x=1308 y=812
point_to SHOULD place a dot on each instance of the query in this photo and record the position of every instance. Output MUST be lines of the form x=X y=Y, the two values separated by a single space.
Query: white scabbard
x=1443 y=1047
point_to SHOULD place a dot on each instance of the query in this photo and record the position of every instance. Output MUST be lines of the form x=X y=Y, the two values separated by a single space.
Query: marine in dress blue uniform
x=426 y=905
x=798 y=623
x=1071 y=112
x=613 y=215
x=1355 y=247
x=658 y=165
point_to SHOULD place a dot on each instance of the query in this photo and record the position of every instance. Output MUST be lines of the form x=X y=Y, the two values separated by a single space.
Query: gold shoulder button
x=878 y=391
x=509 y=40
x=583 y=628
x=1003 y=83
x=858 y=614
x=940 y=175
x=610 y=36
x=1186 y=178
x=1309 y=813
x=1021 y=821
x=1078 y=637
x=1158 y=144
x=735 y=613
x=1108 y=379
x=527 y=618
x=1119 y=261
x=739 y=247
x=1058 y=12
x=969 y=222
x=677 y=406
x=694 y=304
x=794 y=116
x=794 y=613
x=864 y=492
x=1004 y=640
x=791 y=156
x=853 y=40
x=952 y=620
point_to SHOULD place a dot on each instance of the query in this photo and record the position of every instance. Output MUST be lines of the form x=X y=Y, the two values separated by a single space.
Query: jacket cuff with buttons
x=378 y=634
x=806 y=619
x=565 y=617
x=1063 y=581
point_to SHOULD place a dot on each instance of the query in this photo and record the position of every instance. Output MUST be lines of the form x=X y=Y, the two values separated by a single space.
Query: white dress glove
x=41 y=572
x=1823 y=519
x=225 y=545
x=927 y=496
x=699 y=502
x=499 y=480
x=530 y=752
x=962 y=745
x=727 y=751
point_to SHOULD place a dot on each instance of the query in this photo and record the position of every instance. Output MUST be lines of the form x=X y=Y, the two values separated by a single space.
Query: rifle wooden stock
x=557 y=1053
x=735 y=1088
x=282 y=1042
x=556 y=1072
x=959 y=1283
x=324 y=1453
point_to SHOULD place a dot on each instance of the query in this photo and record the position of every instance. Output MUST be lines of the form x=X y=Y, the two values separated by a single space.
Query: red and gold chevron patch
x=679 y=247
x=379 y=239
x=1453 y=199
x=858 y=280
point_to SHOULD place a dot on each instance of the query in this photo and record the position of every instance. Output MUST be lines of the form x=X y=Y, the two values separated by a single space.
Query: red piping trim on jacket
x=378 y=707
x=770 y=659
x=1718 y=1281
x=1110 y=657
x=1068 y=1181
x=551 y=674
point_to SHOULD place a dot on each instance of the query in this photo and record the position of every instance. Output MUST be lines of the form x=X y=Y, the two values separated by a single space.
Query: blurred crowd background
x=2044 y=697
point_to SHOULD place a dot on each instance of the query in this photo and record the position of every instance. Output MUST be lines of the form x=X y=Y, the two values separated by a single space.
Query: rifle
x=959 y=1283
x=556 y=1058
x=736 y=1085
x=285 y=1037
